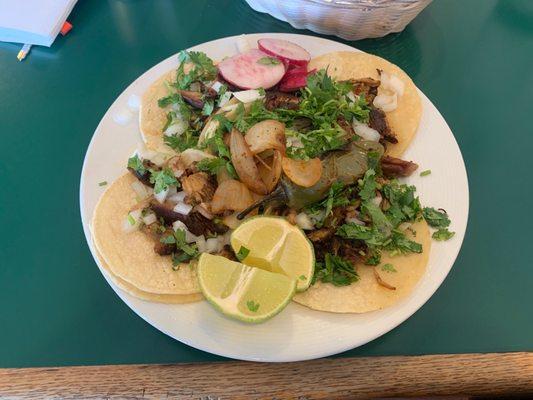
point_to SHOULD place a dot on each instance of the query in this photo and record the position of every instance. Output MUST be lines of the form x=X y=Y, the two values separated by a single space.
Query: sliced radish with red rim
x=288 y=52
x=252 y=69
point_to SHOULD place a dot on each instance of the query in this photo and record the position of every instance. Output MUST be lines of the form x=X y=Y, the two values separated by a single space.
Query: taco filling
x=318 y=143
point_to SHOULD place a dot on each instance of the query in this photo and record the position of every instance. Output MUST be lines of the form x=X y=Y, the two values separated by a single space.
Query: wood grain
x=343 y=378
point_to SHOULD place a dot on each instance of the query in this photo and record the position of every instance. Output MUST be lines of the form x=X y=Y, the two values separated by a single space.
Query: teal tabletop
x=473 y=59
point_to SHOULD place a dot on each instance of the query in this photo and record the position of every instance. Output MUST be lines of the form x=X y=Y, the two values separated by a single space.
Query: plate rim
x=312 y=354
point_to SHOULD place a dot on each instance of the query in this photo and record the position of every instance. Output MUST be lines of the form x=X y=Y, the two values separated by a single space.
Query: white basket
x=348 y=19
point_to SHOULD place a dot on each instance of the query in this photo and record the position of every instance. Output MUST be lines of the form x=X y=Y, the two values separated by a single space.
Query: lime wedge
x=241 y=292
x=273 y=244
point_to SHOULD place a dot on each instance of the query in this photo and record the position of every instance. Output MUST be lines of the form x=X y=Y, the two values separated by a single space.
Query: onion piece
x=162 y=195
x=244 y=163
x=223 y=100
x=141 y=190
x=202 y=208
x=149 y=219
x=270 y=170
x=247 y=96
x=267 y=134
x=302 y=172
x=365 y=131
x=387 y=103
x=133 y=221
x=200 y=243
x=304 y=222
x=381 y=281
x=391 y=82
x=216 y=86
x=182 y=208
x=190 y=156
x=231 y=195
x=211 y=245
x=177 y=225
x=177 y=197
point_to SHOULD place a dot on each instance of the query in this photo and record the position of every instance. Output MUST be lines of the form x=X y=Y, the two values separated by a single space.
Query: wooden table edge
x=488 y=374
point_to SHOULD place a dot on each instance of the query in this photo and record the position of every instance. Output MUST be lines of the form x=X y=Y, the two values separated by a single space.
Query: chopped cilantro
x=136 y=164
x=185 y=252
x=252 y=305
x=202 y=69
x=435 y=218
x=404 y=205
x=268 y=61
x=388 y=268
x=337 y=196
x=368 y=185
x=335 y=270
x=211 y=165
x=243 y=253
x=209 y=105
x=425 y=173
x=103 y=183
x=131 y=220
x=187 y=140
x=162 y=180
x=374 y=257
x=442 y=234
x=302 y=277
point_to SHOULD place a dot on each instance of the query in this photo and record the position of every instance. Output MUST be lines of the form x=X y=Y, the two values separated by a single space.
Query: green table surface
x=473 y=59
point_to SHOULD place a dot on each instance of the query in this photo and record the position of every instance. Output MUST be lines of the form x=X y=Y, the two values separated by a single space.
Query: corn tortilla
x=403 y=121
x=366 y=294
x=130 y=256
x=141 y=294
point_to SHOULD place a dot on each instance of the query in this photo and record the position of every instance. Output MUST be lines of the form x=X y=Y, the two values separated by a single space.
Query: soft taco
x=313 y=141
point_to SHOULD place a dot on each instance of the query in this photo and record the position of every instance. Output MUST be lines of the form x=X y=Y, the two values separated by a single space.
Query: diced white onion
x=211 y=245
x=243 y=44
x=177 y=225
x=182 y=208
x=132 y=221
x=216 y=86
x=190 y=156
x=377 y=200
x=304 y=222
x=201 y=244
x=224 y=98
x=161 y=196
x=141 y=190
x=177 y=127
x=365 y=131
x=149 y=219
x=351 y=96
x=177 y=197
x=247 y=96
x=354 y=220
x=392 y=82
x=172 y=191
x=386 y=102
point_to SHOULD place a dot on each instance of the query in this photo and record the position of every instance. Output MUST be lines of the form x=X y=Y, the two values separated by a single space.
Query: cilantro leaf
x=163 y=179
x=136 y=164
x=182 y=142
x=442 y=234
x=388 y=268
x=243 y=253
x=252 y=305
x=425 y=173
x=436 y=219
x=209 y=105
x=337 y=196
x=268 y=61
x=404 y=205
x=211 y=165
x=335 y=270
x=368 y=185
x=202 y=69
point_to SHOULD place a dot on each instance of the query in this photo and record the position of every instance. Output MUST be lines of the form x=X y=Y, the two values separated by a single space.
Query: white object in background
x=348 y=19
x=34 y=22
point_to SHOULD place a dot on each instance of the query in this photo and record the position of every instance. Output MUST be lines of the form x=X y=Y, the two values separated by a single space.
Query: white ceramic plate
x=298 y=333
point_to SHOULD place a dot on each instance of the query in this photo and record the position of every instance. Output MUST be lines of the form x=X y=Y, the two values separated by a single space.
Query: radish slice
x=286 y=51
x=246 y=71
x=294 y=79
